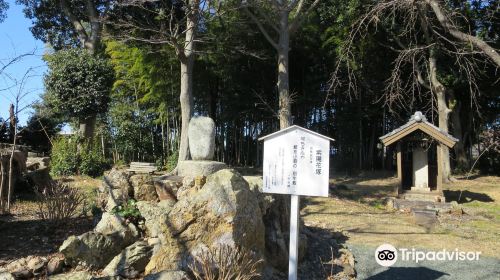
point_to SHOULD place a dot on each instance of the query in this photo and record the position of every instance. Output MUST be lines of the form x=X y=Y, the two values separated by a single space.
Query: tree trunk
x=187 y=65
x=283 y=61
x=443 y=112
x=87 y=127
x=460 y=153
x=2 y=183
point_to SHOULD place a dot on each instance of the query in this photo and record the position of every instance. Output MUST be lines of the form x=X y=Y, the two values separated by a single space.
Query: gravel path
x=367 y=268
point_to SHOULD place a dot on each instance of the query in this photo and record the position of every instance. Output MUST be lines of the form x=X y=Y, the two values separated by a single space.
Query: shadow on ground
x=322 y=250
x=408 y=273
x=22 y=238
x=466 y=196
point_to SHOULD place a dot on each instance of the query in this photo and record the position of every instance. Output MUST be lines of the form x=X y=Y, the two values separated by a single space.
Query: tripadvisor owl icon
x=386 y=255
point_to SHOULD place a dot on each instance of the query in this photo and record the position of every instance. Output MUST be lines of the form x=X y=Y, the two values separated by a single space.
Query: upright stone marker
x=296 y=162
x=201 y=136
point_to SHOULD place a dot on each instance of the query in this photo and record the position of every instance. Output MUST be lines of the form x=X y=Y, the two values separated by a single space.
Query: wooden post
x=400 y=168
x=439 y=183
x=293 y=258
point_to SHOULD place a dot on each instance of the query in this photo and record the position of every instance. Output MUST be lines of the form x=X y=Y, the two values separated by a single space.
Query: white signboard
x=296 y=161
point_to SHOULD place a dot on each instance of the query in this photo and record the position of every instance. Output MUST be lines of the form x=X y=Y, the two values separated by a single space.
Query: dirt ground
x=24 y=234
x=356 y=207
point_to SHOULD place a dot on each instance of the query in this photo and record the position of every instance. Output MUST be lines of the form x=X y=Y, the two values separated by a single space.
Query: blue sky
x=16 y=39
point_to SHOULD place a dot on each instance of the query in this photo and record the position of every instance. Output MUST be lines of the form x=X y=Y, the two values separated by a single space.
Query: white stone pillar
x=420 y=170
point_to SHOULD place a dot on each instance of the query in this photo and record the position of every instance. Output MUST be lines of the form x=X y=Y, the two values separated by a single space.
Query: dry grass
x=226 y=263
x=357 y=211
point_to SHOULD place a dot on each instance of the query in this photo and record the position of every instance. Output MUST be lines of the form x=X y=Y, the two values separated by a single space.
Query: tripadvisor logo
x=387 y=255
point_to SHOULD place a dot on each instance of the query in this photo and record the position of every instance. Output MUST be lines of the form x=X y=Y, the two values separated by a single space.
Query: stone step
x=422 y=197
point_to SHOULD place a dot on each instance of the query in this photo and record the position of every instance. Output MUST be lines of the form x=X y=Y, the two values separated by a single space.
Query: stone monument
x=201 y=137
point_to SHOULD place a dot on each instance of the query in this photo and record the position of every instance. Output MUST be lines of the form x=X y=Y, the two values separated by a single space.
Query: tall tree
x=175 y=24
x=429 y=43
x=78 y=85
x=281 y=18
x=64 y=23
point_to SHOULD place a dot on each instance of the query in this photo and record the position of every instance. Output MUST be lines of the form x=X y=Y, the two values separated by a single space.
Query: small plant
x=58 y=202
x=226 y=263
x=128 y=211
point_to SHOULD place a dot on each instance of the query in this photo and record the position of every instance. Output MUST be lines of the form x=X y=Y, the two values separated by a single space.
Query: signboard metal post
x=296 y=162
x=293 y=259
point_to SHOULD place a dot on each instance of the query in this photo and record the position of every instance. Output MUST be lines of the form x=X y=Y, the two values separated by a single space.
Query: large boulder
x=224 y=212
x=155 y=215
x=144 y=188
x=275 y=211
x=265 y=199
x=114 y=198
x=90 y=250
x=117 y=179
x=201 y=135
x=193 y=168
x=114 y=225
x=170 y=256
x=115 y=189
x=166 y=188
x=130 y=262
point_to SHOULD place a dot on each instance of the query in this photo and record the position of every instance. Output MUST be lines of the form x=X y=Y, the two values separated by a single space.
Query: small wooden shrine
x=418 y=154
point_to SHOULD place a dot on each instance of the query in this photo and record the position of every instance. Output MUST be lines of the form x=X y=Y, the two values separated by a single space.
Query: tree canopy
x=78 y=83
x=355 y=70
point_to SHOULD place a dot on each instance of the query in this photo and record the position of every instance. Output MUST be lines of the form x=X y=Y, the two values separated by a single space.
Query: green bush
x=171 y=161
x=92 y=162
x=64 y=158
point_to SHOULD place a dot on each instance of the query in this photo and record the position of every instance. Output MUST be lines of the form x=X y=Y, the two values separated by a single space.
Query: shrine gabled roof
x=418 y=122
x=292 y=128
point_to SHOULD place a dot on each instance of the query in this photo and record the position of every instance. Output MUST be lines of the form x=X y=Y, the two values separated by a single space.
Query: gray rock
x=167 y=189
x=91 y=249
x=201 y=135
x=36 y=265
x=265 y=200
x=168 y=275
x=113 y=225
x=115 y=198
x=6 y=276
x=130 y=262
x=23 y=274
x=225 y=212
x=155 y=215
x=78 y=275
x=55 y=265
x=116 y=179
x=144 y=188
x=193 y=168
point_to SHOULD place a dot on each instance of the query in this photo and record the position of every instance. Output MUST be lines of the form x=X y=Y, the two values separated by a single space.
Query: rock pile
x=180 y=219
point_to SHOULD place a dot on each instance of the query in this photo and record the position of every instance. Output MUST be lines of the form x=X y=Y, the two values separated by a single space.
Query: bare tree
x=278 y=20
x=172 y=24
x=12 y=119
x=14 y=111
x=422 y=32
